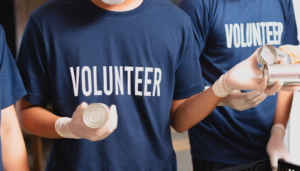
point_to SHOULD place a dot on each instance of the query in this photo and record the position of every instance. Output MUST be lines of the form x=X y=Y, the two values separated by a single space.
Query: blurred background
x=13 y=17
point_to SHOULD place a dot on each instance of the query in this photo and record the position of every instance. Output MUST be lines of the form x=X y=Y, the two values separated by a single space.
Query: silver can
x=95 y=115
x=288 y=73
x=269 y=54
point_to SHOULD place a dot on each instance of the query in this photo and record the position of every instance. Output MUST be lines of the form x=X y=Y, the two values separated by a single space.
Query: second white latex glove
x=247 y=76
x=242 y=101
x=75 y=127
x=276 y=148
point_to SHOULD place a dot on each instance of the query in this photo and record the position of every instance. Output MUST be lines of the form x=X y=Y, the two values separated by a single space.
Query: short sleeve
x=12 y=88
x=290 y=33
x=32 y=62
x=199 y=13
x=188 y=77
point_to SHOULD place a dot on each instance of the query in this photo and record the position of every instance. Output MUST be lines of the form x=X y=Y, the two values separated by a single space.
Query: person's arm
x=14 y=154
x=187 y=112
x=36 y=120
x=276 y=148
x=283 y=108
x=39 y=121
x=246 y=75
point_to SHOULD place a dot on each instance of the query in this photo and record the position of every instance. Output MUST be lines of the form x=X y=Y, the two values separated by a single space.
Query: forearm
x=36 y=120
x=12 y=142
x=194 y=110
x=283 y=108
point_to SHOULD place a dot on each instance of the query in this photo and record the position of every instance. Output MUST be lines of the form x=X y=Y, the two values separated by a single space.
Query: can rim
x=103 y=110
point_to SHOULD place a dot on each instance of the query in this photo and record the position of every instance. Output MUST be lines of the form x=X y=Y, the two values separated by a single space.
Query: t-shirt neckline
x=122 y=14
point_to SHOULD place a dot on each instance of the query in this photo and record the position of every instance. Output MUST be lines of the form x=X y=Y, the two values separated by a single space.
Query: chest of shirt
x=238 y=25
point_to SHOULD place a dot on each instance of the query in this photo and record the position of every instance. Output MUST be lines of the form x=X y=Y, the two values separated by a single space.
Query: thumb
x=274 y=89
x=80 y=108
x=263 y=85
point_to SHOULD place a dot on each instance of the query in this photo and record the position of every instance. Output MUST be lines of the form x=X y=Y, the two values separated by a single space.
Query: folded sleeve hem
x=36 y=100
x=13 y=98
x=188 y=93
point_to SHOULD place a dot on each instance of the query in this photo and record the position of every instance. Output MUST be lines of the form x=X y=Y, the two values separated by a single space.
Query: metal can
x=269 y=54
x=95 y=115
x=288 y=73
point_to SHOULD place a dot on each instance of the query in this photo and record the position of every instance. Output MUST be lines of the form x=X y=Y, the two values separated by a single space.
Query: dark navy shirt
x=227 y=32
x=11 y=85
x=139 y=60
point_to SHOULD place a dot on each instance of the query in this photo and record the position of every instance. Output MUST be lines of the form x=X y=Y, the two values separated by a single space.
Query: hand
x=247 y=76
x=242 y=101
x=78 y=128
x=275 y=147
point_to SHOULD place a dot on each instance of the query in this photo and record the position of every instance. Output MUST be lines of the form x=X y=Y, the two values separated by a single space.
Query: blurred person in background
x=244 y=123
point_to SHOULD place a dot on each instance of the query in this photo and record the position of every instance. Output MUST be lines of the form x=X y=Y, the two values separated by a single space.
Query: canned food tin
x=268 y=54
x=288 y=73
x=95 y=115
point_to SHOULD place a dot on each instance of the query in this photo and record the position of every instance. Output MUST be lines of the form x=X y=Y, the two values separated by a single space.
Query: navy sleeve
x=31 y=62
x=188 y=77
x=290 y=33
x=199 y=13
x=12 y=88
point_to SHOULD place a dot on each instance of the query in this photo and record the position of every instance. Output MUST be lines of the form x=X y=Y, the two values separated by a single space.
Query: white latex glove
x=76 y=128
x=247 y=76
x=275 y=148
x=242 y=101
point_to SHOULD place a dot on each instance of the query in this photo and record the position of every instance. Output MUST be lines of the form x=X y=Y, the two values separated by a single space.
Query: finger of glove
x=291 y=88
x=79 y=110
x=258 y=101
x=274 y=160
x=274 y=89
x=114 y=116
x=257 y=98
x=251 y=95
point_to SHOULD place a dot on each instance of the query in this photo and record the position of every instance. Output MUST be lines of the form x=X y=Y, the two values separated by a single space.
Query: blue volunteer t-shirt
x=139 y=60
x=227 y=32
x=11 y=85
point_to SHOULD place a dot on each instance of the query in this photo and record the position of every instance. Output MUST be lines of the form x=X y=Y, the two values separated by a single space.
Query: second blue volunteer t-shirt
x=139 y=60
x=227 y=32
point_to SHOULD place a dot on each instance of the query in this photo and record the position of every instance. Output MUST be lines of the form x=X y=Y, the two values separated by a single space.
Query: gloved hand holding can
x=94 y=122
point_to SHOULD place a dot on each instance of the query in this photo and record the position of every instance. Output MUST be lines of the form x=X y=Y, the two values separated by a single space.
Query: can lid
x=95 y=115
x=266 y=55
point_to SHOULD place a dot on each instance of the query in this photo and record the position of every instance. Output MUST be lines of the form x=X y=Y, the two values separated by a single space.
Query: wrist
x=278 y=131
x=219 y=87
x=63 y=129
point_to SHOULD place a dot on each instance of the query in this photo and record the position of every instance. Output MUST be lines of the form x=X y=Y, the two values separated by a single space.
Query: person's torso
x=124 y=59
x=236 y=30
